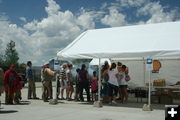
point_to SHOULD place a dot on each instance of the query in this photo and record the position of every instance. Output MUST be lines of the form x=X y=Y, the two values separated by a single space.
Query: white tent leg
x=147 y=107
x=99 y=103
x=99 y=81
x=149 y=91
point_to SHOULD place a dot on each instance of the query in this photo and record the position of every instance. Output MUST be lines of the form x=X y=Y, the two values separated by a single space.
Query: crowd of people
x=114 y=80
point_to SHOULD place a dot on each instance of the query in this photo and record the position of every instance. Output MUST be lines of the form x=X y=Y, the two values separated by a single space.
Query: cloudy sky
x=40 y=28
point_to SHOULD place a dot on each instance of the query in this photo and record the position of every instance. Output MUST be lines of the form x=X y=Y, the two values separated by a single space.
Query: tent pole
x=99 y=103
x=147 y=107
x=149 y=97
x=99 y=81
x=144 y=72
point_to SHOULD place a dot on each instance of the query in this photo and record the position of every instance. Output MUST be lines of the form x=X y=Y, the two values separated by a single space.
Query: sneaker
x=45 y=100
x=110 y=103
x=114 y=102
x=36 y=98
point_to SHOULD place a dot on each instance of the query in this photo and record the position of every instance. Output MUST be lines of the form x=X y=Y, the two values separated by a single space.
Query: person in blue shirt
x=31 y=81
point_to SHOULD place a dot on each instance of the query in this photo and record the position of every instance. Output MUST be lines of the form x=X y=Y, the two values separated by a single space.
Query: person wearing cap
x=31 y=81
x=46 y=77
x=11 y=82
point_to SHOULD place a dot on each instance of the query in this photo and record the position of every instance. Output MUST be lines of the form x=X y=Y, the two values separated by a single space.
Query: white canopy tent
x=151 y=40
x=147 y=41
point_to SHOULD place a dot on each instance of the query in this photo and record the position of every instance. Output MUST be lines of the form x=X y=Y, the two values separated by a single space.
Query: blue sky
x=42 y=27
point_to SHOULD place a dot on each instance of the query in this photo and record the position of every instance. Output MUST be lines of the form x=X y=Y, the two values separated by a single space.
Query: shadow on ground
x=137 y=105
x=24 y=103
x=7 y=111
x=128 y=105
x=21 y=103
x=86 y=103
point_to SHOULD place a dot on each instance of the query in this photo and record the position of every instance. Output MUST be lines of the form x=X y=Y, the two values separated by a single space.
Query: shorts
x=95 y=91
x=112 y=90
x=69 y=83
x=123 y=86
x=63 y=86
x=77 y=88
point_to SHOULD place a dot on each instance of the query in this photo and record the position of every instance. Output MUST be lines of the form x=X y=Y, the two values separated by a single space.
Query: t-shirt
x=94 y=84
x=45 y=76
x=63 y=75
x=68 y=71
x=112 y=77
x=29 y=73
x=83 y=76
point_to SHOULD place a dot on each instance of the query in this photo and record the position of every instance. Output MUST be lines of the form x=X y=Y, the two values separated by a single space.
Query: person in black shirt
x=84 y=82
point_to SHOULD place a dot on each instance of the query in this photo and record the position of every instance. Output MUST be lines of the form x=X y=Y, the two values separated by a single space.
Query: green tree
x=1 y=60
x=11 y=55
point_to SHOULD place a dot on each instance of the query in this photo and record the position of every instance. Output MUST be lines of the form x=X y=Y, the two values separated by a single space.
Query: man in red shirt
x=11 y=85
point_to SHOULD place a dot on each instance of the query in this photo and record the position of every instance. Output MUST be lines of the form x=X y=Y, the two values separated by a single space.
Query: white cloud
x=40 y=40
x=23 y=19
x=57 y=30
x=114 y=18
x=86 y=19
x=131 y=3
x=52 y=7
x=156 y=13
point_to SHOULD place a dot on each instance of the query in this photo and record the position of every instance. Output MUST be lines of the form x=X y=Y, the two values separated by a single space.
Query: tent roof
x=95 y=61
x=149 y=40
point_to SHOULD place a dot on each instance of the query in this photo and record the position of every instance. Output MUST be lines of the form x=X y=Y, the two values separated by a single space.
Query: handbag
x=127 y=78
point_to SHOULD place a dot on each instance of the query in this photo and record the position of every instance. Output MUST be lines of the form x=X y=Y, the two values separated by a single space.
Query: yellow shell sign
x=156 y=66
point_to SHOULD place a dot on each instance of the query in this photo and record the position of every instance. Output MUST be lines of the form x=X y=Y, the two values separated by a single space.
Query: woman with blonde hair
x=70 y=88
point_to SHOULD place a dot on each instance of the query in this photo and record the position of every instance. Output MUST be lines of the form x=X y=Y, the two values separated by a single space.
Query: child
x=94 y=86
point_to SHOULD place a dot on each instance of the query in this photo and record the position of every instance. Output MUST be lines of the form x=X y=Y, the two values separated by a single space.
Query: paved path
x=65 y=110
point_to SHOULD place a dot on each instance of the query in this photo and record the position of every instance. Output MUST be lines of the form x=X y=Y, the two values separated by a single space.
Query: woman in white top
x=113 y=83
x=123 y=84
x=70 y=88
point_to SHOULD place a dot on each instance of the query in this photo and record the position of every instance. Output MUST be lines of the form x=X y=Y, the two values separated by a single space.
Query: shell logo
x=156 y=66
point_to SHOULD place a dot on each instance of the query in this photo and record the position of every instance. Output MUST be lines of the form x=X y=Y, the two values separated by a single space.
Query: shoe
x=36 y=98
x=118 y=98
x=45 y=100
x=110 y=103
x=77 y=100
x=63 y=99
x=20 y=98
x=114 y=102
x=29 y=98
